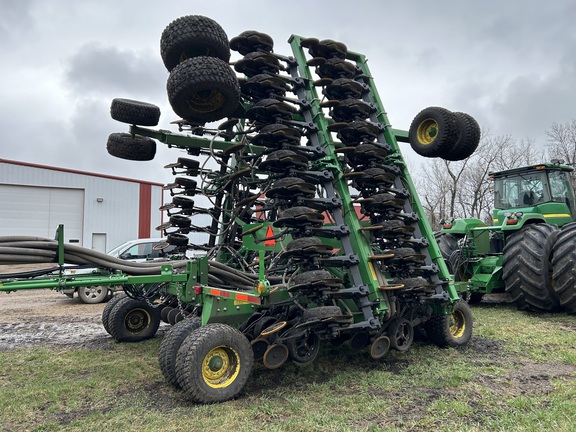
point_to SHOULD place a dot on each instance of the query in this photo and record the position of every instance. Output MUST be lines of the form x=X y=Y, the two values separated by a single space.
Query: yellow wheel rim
x=427 y=131
x=137 y=320
x=457 y=324
x=220 y=367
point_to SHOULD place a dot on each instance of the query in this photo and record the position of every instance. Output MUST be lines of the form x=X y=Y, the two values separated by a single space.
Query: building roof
x=68 y=170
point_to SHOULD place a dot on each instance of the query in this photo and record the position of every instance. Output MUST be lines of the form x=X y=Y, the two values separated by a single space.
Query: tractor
x=528 y=251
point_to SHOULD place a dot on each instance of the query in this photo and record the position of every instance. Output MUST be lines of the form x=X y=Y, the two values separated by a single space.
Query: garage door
x=37 y=211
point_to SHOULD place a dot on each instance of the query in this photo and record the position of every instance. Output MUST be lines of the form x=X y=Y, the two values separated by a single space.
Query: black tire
x=250 y=40
x=304 y=350
x=171 y=344
x=177 y=239
x=401 y=334
x=107 y=309
x=564 y=269
x=214 y=363
x=193 y=36
x=186 y=182
x=454 y=330
x=126 y=146
x=433 y=132
x=203 y=89
x=447 y=243
x=134 y=112
x=475 y=297
x=468 y=140
x=133 y=320
x=527 y=266
x=321 y=312
x=93 y=294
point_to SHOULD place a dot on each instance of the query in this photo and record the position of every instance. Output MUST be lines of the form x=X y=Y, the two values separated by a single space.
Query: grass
x=518 y=374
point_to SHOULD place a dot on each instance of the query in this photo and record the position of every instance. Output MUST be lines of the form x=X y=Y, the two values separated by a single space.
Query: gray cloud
x=510 y=66
x=98 y=70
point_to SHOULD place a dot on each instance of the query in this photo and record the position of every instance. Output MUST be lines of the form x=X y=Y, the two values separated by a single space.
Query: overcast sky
x=510 y=64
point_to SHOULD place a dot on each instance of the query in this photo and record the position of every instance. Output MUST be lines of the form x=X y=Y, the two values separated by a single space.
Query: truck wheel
x=203 y=89
x=527 y=266
x=107 y=309
x=433 y=132
x=126 y=146
x=134 y=112
x=170 y=345
x=469 y=138
x=214 y=363
x=93 y=294
x=133 y=320
x=452 y=330
x=564 y=268
x=193 y=36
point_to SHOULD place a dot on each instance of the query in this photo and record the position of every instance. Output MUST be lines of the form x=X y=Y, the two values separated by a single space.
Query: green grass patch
x=518 y=374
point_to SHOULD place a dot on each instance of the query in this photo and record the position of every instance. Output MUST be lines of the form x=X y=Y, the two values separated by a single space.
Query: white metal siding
x=110 y=205
x=37 y=211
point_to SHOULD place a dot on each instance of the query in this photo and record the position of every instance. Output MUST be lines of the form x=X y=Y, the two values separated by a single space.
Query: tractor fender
x=525 y=219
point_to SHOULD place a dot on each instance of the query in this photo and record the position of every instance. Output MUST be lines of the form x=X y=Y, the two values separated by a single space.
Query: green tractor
x=528 y=251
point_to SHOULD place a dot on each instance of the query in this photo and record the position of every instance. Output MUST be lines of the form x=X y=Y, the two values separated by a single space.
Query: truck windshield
x=522 y=190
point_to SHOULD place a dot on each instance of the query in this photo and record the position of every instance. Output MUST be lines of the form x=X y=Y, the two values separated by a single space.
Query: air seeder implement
x=317 y=234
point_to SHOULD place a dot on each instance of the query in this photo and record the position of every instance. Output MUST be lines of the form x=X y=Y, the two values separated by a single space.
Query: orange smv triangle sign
x=269 y=233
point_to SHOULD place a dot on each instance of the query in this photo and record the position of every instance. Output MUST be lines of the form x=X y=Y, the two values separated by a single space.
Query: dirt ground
x=42 y=317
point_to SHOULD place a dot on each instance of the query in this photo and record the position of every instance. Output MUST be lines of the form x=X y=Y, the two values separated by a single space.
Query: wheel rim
x=137 y=320
x=93 y=292
x=206 y=101
x=220 y=367
x=427 y=131
x=457 y=324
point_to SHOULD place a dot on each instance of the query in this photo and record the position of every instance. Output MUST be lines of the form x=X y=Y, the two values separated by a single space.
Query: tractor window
x=523 y=190
x=560 y=186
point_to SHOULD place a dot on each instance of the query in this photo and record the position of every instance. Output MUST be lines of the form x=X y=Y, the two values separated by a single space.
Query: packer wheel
x=214 y=363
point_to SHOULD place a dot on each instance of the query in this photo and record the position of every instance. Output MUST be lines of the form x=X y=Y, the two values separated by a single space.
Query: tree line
x=462 y=189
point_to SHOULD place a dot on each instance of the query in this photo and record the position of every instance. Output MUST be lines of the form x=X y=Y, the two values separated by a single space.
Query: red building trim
x=144 y=208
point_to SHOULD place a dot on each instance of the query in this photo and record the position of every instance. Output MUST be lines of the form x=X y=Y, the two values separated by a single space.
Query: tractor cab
x=541 y=192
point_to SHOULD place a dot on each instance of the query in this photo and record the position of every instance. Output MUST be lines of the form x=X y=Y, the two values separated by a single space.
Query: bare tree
x=463 y=189
x=561 y=143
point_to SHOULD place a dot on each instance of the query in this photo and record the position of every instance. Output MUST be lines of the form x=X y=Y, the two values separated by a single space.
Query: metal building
x=98 y=211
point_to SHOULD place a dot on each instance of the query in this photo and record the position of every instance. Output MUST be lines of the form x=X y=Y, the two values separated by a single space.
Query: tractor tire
x=193 y=36
x=447 y=243
x=126 y=146
x=454 y=330
x=203 y=89
x=170 y=345
x=469 y=138
x=433 y=132
x=214 y=363
x=133 y=320
x=527 y=266
x=564 y=267
x=93 y=294
x=107 y=309
x=134 y=112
